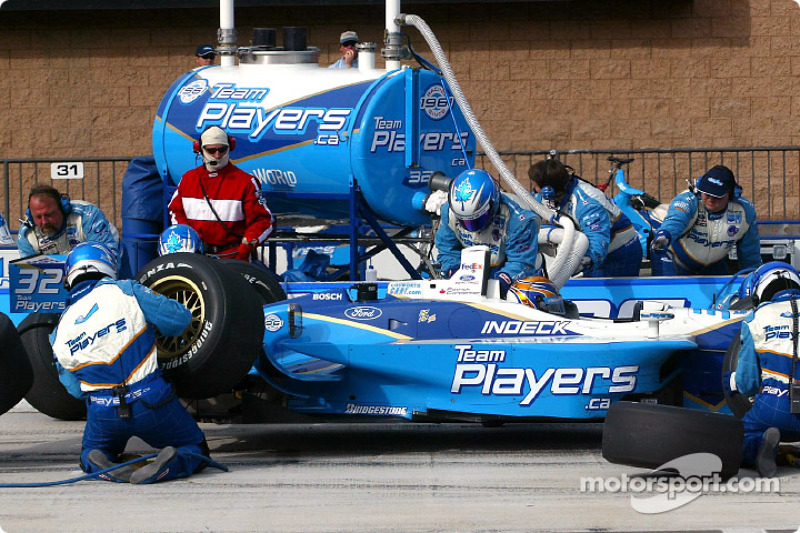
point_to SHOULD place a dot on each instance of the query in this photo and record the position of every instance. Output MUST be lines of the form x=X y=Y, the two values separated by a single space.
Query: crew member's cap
x=205 y=50
x=214 y=135
x=348 y=37
x=717 y=182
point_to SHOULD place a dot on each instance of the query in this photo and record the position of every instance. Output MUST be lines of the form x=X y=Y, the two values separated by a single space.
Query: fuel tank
x=308 y=132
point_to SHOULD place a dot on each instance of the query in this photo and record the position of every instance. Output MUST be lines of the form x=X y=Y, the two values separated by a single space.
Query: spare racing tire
x=738 y=403
x=263 y=281
x=47 y=395
x=224 y=338
x=651 y=435
x=16 y=374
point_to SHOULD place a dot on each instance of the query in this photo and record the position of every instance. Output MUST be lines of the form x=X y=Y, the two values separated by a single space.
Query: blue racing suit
x=84 y=222
x=512 y=237
x=589 y=217
x=700 y=240
x=105 y=353
x=765 y=364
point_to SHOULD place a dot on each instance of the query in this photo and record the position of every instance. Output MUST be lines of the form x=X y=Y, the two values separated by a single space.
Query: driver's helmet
x=179 y=238
x=539 y=293
x=767 y=280
x=90 y=258
x=474 y=198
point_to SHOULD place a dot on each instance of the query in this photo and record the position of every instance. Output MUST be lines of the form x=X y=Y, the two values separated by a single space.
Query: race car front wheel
x=651 y=435
x=47 y=395
x=264 y=282
x=227 y=329
x=16 y=374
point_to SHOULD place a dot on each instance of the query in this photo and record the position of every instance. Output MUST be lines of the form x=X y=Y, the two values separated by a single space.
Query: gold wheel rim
x=186 y=292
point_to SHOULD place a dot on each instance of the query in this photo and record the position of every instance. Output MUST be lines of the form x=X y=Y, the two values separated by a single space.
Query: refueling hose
x=211 y=462
x=568 y=256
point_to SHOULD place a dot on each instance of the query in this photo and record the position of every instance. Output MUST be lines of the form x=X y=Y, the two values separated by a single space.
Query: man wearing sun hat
x=347 y=47
x=701 y=227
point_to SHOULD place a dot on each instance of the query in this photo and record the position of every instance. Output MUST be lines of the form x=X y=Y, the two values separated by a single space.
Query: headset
x=231 y=141
x=62 y=201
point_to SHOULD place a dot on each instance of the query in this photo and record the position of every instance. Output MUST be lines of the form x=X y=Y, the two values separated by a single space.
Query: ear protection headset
x=197 y=148
x=62 y=201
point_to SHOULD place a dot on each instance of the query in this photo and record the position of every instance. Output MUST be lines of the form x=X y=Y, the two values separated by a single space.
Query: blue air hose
x=212 y=463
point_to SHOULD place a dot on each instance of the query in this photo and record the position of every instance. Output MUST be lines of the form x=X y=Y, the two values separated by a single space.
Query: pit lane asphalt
x=361 y=477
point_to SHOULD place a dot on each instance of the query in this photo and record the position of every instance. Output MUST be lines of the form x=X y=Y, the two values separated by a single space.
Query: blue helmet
x=474 y=197
x=90 y=258
x=179 y=238
x=767 y=280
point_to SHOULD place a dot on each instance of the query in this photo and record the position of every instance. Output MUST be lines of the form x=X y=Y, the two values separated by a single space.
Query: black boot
x=767 y=452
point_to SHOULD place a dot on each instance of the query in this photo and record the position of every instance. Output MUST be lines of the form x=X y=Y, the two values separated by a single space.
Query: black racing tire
x=650 y=435
x=226 y=333
x=265 y=283
x=738 y=403
x=47 y=395
x=16 y=374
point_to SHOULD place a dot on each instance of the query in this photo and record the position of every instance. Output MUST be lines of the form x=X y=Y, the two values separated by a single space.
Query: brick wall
x=577 y=74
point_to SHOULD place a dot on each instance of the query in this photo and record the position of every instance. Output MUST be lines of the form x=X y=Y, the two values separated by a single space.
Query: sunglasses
x=348 y=44
x=207 y=56
x=221 y=151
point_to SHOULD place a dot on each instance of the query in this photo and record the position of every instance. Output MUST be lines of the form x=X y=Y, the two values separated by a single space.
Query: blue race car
x=452 y=349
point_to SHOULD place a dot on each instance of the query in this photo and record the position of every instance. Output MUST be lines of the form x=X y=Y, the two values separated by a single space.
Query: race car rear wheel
x=738 y=403
x=650 y=435
x=16 y=374
x=264 y=282
x=227 y=329
x=47 y=395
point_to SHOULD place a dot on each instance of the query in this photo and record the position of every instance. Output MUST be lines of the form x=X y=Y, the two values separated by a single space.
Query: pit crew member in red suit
x=224 y=204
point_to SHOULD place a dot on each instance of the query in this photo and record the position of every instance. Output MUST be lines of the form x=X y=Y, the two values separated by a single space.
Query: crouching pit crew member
x=476 y=213
x=768 y=369
x=105 y=353
x=223 y=203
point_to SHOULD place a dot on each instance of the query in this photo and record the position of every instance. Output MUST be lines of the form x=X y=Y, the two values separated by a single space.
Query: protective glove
x=729 y=383
x=661 y=241
x=587 y=265
x=434 y=202
x=246 y=249
x=505 y=283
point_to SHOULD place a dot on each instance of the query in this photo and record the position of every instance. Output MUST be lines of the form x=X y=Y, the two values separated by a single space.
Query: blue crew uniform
x=764 y=368
x=105 y=353
x=512 y=236
x=701 y=240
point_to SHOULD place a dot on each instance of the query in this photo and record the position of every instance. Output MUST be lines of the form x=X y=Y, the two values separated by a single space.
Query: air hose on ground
x=212 y=463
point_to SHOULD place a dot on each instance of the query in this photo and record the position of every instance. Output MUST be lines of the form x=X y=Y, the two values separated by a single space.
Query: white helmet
x=772 y=278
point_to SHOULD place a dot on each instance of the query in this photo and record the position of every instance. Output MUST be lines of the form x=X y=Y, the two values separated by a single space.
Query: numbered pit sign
x=66 y=171
x=36 y=284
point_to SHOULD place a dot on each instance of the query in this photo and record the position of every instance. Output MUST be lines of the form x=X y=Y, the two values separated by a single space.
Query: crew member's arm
x=749 y=247
x=748 y=372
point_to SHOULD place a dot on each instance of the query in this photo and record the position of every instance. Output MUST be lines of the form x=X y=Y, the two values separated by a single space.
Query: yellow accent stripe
x=358 y=325
x=717 y=326
x=704 y=403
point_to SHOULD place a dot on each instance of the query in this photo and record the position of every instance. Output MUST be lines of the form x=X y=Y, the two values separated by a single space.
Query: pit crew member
x=221 y=202
x=701 y=227
x=476 y=212
x=766 y=365
x=54 y=224
x=105 y=353
x=614 y=248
